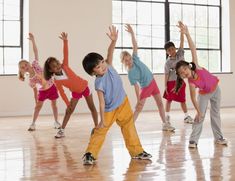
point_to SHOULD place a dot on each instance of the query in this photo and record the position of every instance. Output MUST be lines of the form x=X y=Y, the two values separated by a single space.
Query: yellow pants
x=123 y=115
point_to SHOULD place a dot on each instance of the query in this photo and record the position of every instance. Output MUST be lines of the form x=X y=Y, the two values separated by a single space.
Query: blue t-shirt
x=111 y=85
x=139 y=73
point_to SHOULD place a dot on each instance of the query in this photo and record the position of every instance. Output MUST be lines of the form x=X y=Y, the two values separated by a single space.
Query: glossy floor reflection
x=39 y=156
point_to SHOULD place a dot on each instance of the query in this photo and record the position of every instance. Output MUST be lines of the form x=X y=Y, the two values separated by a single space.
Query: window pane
x=203 y=58
x=201 y=16
x=1 y=34
x=175 y=14
x=127 y=37
x=158 y=36
x=214 y=35
x=182 y=1
x=11 y=9
x=158 y=16
x=192 y=34
x=159 y=59
x=129 y=12
x=144 y=36
x=12 y=33
x=201 y=37
x=187 y=56
x=12 y=55
x=201 y=1
x=214 y=17
x=146 y=57
x=1 y=60
x=189 y=15
x=117 y=12
x=144 y=13
x=1 y=9
x=117 y=61
x=214 y=61
x=120 y=32
x=214 y=2
x=175 y=35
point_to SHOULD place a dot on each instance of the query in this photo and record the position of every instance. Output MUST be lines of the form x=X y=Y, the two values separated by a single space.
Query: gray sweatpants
x=203 y=100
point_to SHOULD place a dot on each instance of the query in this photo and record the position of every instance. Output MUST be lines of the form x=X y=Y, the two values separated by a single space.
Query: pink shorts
x=85 y=93
x=150 y=90
x=171 y=95
x=50 y=94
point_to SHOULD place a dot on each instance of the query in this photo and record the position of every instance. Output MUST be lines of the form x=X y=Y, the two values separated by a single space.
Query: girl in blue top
x=140 y=75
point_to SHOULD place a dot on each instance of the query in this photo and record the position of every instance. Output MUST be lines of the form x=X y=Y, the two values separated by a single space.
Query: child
x=170 y=79
x=47 y=89
x=64 y=76
x=138 y=72
x=114 y=104
x=209 y=90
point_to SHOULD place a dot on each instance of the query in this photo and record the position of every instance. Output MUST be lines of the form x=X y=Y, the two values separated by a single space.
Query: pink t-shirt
x=206 y=82
x=38 y=77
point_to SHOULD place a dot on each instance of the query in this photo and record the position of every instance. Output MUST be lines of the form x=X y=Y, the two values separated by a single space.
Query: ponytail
x=193 y=66
x=21 y=76
x=178 y=85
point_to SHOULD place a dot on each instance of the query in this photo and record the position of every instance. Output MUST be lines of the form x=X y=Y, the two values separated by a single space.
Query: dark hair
x=90 y=61
x=168 y=45
x=179 y=80
x=47 y=73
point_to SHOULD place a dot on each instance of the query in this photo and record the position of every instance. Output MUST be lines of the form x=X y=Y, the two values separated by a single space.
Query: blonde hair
x=123 y=54
x=20 y=74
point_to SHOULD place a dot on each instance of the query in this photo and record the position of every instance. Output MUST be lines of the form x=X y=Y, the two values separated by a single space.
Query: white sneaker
x=60 y=134
x=189 y=120
x=32 y=127
x=221 y=141
x=57 y=125
x=167 y=127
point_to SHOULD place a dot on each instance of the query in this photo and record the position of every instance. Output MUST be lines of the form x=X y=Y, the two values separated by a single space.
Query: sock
x=185 y=114
x=167 y=113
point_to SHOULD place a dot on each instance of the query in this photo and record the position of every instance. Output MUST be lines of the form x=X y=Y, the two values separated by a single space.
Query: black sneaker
x=192 y=144
x=143 y=156
x=88 y=159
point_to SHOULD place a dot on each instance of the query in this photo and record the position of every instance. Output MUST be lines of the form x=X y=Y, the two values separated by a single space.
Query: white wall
x=86 y=23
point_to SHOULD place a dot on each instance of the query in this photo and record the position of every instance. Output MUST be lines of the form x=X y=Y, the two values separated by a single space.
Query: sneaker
x=189 y=120
x=32 y=127
x=88 y=159
x=167 y=127
x=60 y=134
x=221 y=141
x=143 y=156
x=57 y=125
x=192 y=144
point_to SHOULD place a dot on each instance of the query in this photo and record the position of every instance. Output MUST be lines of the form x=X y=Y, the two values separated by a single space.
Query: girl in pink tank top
x=209 y=91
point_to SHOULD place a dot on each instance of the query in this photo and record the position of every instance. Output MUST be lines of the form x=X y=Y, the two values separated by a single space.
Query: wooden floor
x=39 y=156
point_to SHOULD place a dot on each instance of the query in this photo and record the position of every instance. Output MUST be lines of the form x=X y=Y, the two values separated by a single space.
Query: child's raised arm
x=181 y=37
x=64 y=36
x=35 y=50
x=113 y=35
x=133 y=39
x=184 y=29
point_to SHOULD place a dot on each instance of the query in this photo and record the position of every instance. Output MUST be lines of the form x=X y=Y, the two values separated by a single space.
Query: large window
x=10 y=35
x=155 y=21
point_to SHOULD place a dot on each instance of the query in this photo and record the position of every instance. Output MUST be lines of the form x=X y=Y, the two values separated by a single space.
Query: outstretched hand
x=113 y=33
x=129 y=28
x=183 y=28
x=63 y=36
x=31 y=37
